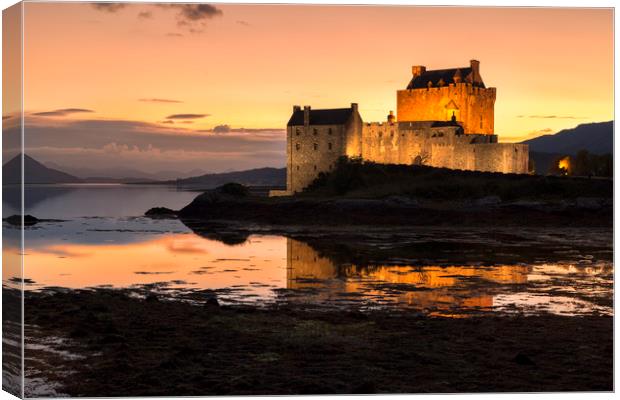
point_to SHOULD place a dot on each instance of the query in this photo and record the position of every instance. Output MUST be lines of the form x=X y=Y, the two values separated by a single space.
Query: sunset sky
x=170 y=87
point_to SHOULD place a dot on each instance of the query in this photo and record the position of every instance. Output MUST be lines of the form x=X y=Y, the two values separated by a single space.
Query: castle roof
x=464 y=74
x=330 y=116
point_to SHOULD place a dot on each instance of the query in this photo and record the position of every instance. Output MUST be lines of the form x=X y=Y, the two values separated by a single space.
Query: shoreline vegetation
x=362 y=193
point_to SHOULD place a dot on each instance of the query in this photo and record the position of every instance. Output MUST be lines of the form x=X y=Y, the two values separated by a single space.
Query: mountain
x=122 y=174
x=34 y=172
x=596 y=138
x=252 y=177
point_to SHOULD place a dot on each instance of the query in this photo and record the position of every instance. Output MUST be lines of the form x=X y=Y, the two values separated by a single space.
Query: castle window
x=315 y=167
x=316 y=146
x=315 y=131
x=297 y=131
x=298 y=168
x=481 y=122
x=297 y=146
x=380 y=133
x=329 y=146
x=329 y=131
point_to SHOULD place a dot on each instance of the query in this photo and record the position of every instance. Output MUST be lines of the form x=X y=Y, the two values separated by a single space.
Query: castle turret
x=391 y=118
x=418 y=70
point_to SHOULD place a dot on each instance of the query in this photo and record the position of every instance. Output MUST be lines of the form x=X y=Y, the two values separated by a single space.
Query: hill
x=253 y=177
x=596 y=138
x=34 y=172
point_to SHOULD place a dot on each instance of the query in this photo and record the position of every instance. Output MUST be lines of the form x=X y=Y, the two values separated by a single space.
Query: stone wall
x=443 y=147
x=312 y=150
x=475 y=106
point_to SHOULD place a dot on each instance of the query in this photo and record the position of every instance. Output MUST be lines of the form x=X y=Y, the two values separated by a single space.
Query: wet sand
x=105 y=342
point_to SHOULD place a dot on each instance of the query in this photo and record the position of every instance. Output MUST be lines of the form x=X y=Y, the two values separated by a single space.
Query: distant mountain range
x=34 y=172
x=37 y=173
x=251 y=177
x=597 y=138
x=121 y=174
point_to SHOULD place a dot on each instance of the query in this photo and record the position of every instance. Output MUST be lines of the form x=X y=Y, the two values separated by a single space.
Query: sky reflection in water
x=102 y=242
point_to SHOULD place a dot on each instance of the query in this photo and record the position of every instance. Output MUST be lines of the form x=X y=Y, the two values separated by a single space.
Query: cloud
x=531 y=135
x=244 y=23
x=62 y=112
x=192 y=17
x=155 y=100
x=187 y=116
x=549 y=117
x=194 y=12
x=99 y=144
x=109 y=7
x=174 y=34
x=221 y=129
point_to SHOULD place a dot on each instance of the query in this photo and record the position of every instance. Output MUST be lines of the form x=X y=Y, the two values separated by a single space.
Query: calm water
x=102 y=241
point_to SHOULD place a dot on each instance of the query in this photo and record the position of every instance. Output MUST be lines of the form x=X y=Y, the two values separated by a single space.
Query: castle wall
x=442 y=147
x=312 y=150
x=475 y=106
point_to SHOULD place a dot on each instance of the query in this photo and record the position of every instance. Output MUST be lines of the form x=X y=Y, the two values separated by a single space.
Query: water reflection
x=167 y=257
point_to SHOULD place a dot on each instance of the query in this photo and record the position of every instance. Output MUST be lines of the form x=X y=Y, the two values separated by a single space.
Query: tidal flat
x=118 y=344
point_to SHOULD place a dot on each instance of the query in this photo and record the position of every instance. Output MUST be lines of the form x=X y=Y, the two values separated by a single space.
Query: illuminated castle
x=444 y=119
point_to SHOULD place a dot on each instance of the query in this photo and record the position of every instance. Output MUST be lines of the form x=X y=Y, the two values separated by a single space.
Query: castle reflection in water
x=438 y=288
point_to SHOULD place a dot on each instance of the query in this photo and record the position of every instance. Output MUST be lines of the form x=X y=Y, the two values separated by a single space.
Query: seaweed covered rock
x=16 y=220
x=212 y=202
x=161 y=212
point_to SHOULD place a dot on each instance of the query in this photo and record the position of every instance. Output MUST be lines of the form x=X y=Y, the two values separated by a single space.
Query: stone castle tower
x=444 y=119
x=438 y=95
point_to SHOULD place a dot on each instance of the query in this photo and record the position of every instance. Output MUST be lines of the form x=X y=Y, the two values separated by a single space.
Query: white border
x=486 y=3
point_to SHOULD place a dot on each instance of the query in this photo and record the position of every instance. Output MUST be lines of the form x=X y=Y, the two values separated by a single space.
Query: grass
x=356 y=179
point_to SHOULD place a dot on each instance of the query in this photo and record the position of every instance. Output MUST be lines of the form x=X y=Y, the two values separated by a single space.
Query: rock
x=522 y=359
x=233 y=189
x=403 y=201
x=212 y=302
x=589 y=203
x=488 y=201
x=364 y=388
x=16 y=220
x=161 y=212
x=151 y=298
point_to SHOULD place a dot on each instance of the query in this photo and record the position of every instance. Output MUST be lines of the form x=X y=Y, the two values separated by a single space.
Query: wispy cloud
x=244 y=23
x=531 y=135
x=156 y=100
x=550 y=117
x=62 y=112
x=221 y=129
x=190 y=17
x=98 y=144
x=145 y=15
x=187 y=116
x=109 y=7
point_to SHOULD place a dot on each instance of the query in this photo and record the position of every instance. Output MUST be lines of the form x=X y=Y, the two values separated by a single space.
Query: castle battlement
x=445 y=118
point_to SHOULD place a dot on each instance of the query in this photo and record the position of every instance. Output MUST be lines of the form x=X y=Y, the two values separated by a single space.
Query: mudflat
x=119 y=344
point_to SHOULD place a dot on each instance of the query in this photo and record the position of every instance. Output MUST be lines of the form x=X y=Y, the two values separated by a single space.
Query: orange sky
x=247 y=65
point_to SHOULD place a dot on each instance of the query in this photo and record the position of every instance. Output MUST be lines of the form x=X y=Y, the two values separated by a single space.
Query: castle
x=444 y=118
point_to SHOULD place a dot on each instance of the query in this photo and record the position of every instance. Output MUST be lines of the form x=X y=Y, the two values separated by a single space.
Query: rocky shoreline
x=142 y=347
x=213 y=206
